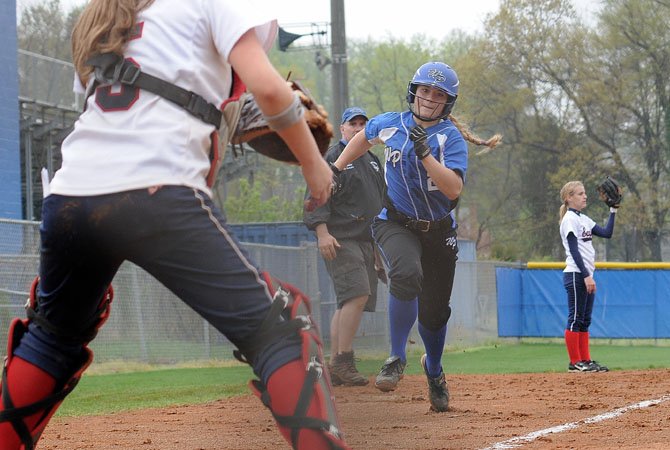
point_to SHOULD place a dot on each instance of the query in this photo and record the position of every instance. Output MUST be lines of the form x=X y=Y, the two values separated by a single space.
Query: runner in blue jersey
x=426 y=159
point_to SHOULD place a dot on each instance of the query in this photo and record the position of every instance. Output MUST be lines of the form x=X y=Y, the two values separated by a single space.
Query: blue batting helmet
x=438 y=75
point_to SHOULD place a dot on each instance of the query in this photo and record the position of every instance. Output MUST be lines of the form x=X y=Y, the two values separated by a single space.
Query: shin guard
x=299 y=394
x=30 y=396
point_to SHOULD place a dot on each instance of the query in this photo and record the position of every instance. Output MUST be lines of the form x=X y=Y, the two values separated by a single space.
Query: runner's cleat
x=390 y=374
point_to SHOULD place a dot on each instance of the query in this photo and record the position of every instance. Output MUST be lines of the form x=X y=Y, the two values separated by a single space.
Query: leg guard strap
x=278 y=323
x=307 y=417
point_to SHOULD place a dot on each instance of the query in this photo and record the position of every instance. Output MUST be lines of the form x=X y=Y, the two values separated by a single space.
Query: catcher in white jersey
x=132 y=187
x=577 y=231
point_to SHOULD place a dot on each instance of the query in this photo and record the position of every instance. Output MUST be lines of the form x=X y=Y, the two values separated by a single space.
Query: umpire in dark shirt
x=342 y=227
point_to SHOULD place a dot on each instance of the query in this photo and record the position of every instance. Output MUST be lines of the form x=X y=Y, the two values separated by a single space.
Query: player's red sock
x=572 y=344
x=26 y=384
x=584 y=345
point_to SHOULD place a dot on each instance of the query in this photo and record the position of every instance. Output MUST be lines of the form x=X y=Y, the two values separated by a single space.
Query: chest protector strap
x=111 y=68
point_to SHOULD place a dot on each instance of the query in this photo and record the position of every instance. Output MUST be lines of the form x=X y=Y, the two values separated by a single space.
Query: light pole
x=339 y=58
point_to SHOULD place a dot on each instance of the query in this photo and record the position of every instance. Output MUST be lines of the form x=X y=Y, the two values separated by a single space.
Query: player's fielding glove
x=419 y=137
x=253 y=128
x=610 y=192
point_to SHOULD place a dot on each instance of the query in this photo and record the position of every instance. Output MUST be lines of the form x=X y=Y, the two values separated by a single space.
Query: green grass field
x=103 y=393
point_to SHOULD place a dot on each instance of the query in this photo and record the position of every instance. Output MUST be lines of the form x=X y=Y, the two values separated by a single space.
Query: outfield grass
x=114 y=392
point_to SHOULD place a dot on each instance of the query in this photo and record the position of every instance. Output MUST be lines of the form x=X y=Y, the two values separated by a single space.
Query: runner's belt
x=420 y=224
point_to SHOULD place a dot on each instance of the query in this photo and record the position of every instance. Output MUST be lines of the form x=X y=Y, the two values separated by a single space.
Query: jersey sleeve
x=381 y=127
x=569 y=225
x=454 y=152
x=231 y=19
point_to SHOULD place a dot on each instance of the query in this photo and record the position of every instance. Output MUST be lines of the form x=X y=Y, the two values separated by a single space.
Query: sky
x=382 y=18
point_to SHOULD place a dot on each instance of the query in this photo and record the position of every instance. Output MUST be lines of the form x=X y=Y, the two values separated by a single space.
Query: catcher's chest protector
x=299 y=394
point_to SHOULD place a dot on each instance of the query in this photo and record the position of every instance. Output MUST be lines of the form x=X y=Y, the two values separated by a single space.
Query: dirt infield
x=485 y=410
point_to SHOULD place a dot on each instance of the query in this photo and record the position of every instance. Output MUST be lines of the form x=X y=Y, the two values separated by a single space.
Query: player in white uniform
x=577 y=231
x=132 y=187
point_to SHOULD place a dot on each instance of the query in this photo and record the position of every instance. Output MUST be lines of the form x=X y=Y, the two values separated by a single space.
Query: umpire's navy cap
x=352 y=112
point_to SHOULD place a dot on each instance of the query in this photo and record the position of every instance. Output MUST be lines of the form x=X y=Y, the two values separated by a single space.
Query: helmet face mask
x=437 y=75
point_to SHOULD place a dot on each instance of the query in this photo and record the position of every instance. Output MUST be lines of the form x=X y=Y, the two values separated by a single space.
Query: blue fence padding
x=10 y=156
x=509 y=293
x=629 y=303
x=274 y=233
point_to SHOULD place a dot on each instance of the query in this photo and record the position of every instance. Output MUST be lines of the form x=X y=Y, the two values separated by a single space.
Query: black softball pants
x=420 y=264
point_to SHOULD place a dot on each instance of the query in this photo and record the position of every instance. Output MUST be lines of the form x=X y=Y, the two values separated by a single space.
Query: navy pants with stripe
x=580 y=302
x=178 y=236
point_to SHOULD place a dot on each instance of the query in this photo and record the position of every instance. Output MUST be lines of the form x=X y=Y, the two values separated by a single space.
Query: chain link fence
x=149 y=324
x=47 y=80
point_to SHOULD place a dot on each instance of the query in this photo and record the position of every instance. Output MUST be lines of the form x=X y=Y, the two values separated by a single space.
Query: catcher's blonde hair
x=468 y=135
x=567 y=191
x=104 y=26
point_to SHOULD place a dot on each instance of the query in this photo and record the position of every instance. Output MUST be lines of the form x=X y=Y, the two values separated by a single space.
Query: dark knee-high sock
x=402 y=315
x=434 y=343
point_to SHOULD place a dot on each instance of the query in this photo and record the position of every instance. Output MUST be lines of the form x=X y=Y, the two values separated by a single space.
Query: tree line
x=574 y=101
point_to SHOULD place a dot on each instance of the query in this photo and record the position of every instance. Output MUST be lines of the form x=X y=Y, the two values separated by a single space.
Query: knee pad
x=30 y=396
x=103 y=310
x=299 y=393
x=406 y=286
x=435 y=318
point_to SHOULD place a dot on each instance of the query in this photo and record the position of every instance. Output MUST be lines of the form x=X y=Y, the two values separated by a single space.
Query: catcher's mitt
x=610 y=192
x=253 y=129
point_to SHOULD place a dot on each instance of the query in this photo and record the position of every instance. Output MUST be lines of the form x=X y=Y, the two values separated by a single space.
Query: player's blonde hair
x=468 y=135
x=567 y=191
x=104 y=26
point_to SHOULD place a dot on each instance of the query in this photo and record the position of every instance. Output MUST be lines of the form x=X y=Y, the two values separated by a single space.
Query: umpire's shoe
x=344 y=370
x=390 y=374
x=437 y=389
x=334 y=379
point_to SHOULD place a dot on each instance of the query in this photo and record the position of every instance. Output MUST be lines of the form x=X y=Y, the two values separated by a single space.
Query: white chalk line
x=530 y=437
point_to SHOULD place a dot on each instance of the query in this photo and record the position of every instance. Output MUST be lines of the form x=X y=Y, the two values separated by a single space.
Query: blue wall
x=628 y=304
x=10 y=160
x=273 y=233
